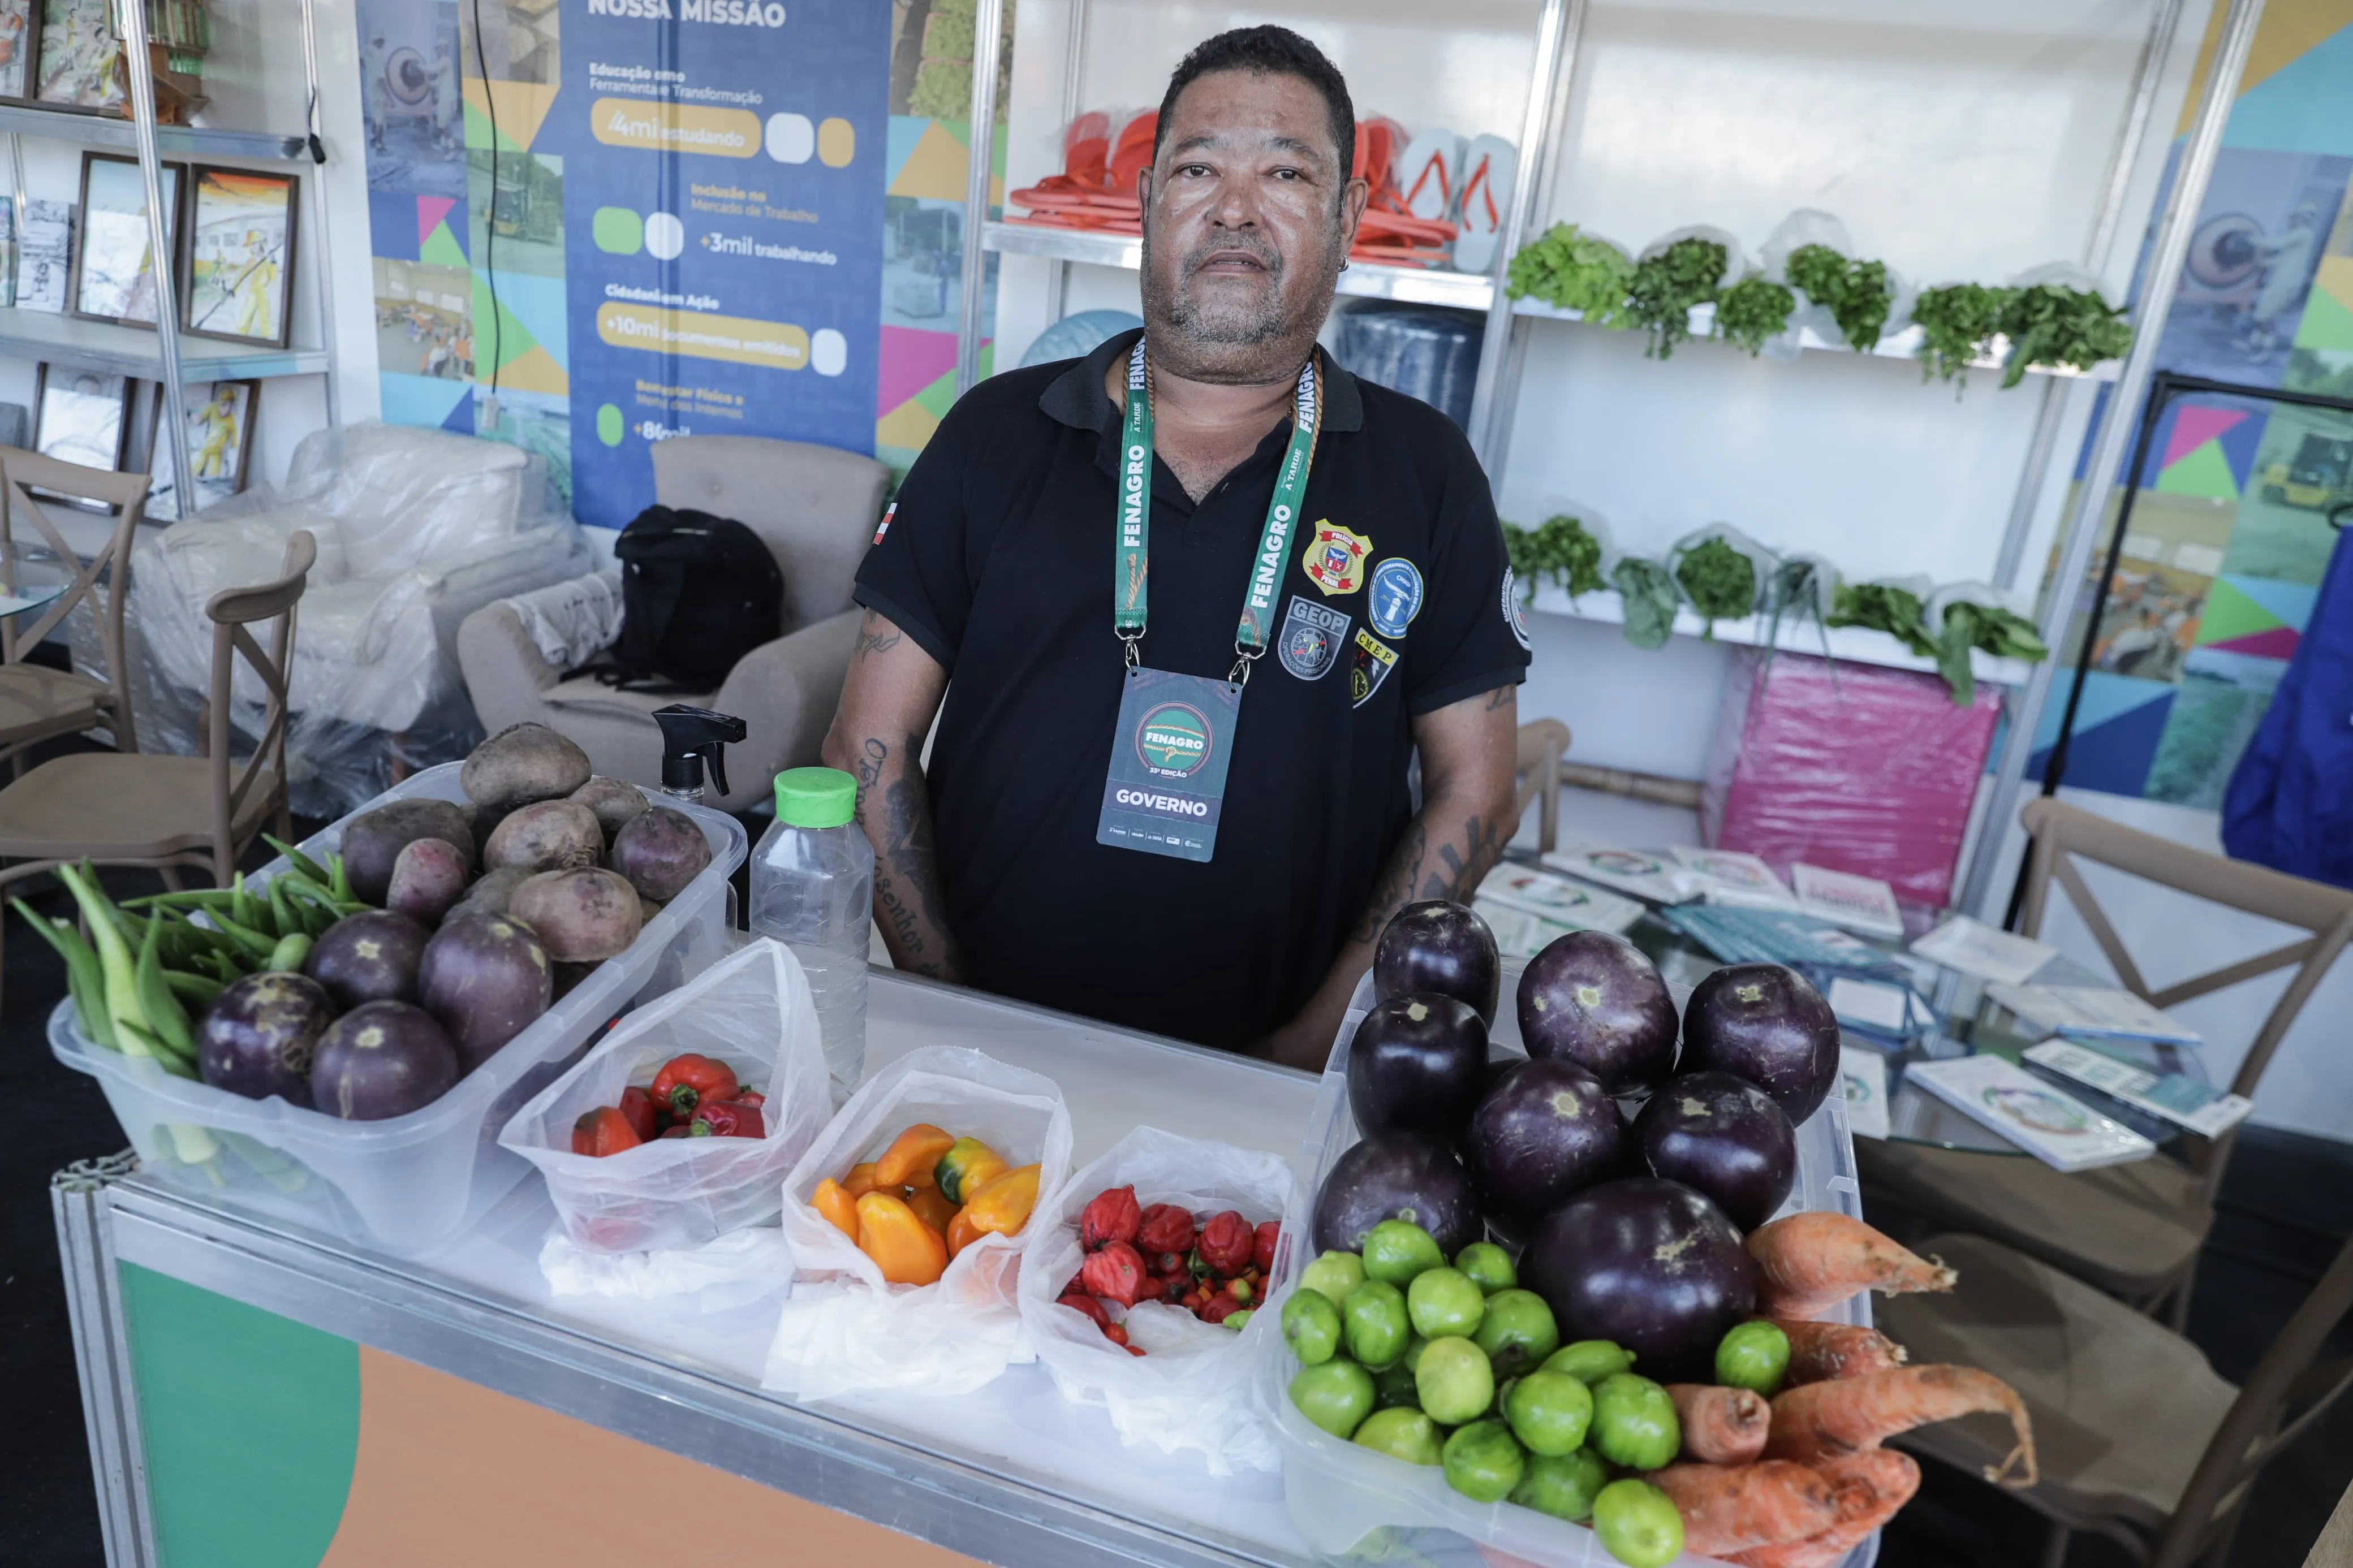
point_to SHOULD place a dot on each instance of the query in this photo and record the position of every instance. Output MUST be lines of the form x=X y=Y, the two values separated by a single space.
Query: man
x=375 y=89
x=1130 y=811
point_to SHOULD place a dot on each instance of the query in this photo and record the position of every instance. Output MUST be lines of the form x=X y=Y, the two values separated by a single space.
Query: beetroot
x=380 y=1060
x=484 y=979
x=428 y=878
x=660 y=851
x=372 y=841
x=368 y=957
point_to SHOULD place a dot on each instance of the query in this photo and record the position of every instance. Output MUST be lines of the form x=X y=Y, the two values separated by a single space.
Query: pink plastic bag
x=1871 y=771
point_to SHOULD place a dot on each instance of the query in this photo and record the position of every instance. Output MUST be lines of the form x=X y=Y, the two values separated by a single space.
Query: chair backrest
x=2289 y=1390
x=2064 y=833
x=1541 y=743
x=815 y=507
x=104 y=580
x=234 y=611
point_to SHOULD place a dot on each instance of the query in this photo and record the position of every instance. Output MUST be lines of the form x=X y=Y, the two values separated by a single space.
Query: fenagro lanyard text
x=1130 y=590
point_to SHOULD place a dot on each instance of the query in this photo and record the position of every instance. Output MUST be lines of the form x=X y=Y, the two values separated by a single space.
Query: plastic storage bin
x=406 y=1182
x=1339 y=1494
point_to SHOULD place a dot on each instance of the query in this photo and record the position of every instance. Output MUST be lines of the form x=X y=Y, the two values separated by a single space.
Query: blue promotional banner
x=724 y=228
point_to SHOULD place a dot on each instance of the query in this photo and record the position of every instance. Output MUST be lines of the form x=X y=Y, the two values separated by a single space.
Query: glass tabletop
x=30 y=576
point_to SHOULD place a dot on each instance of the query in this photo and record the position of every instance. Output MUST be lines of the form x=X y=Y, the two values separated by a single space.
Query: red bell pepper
x=1227 y=1243
x=643 y=1116
x=1262 y=1245
x=1110 y=1215
x=1164 y=1228
x=726 y=1118
x=1115 y=1274
x=1078 y=1300
x=604 y=1130
x=686 y=1081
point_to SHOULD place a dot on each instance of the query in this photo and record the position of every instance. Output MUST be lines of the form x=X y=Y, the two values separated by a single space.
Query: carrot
x=1809 y=1263
x=1728 y=1508
x=1822 y=1352
x=1868 y=1487
x=1826 y=1420
x=1721 y=1426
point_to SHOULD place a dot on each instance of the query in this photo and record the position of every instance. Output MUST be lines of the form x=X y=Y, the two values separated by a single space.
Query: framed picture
x=82 y=65
x=20 y=50
x=240 y=255
x=114 y=272
x=220 y=416
x=80 y=416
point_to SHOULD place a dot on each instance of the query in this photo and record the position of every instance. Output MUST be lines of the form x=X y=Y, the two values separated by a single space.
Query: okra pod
x=85 y=979
x=195 y=991
x=167 y=1019
x=296 y=858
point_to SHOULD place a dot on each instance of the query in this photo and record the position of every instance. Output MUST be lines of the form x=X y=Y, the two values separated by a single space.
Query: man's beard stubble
x=1237 y=342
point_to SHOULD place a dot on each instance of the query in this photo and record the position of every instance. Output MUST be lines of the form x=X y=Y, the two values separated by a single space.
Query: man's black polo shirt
x=998 y=559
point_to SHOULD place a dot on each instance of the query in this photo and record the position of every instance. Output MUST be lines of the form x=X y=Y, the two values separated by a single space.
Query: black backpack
x=698 y=593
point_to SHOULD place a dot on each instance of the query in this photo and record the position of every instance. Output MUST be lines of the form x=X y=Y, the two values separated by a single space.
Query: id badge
x=1168 y=763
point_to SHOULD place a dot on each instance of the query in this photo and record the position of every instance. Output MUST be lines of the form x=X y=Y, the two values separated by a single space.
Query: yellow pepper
x=962 y=1232
x=908 y=1162
x=932 y=1207
x=908 y=1251
x=1002 y=1207
x=840 y=1208
x=967 y=1166
x=860 y=1180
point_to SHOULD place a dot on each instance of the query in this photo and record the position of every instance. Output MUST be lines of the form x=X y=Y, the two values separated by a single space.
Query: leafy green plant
x=1988 y=628
x=1793 y=596
x=1956 y=323
x=1560 y=549
x=1854 y=293
x=1720 y=582
x=1665 y=287
x=1573 y=271
x=1753 y=312
x=1883 y=607
x=2050 y=323
x=1651 y=599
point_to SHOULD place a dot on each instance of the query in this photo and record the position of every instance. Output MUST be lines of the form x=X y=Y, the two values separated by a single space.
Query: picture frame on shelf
x=82 y=65
x=20 y=50
x=45 y=256
x=80 y=416
x=221 y=416
x=242 y=231
x=113 y=268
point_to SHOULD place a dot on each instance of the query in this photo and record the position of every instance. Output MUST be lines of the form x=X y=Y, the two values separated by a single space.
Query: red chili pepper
x=1164 y=1228
x=1240 y=1291
x=726 y=1118
x=1173 y=1288
x=1227 y=1243
x=1114 y=1333
x=604 y=1130
x=680 y=1130
x=1115 y=1274
x=686 y=1081
x=1217 y=1309
x=1078 y=1300
x=1110 y=1215
x=1262 y=1245
x=1168 y=1263
x=751 y=1097
x=638 y=1109
x=1136 y=1350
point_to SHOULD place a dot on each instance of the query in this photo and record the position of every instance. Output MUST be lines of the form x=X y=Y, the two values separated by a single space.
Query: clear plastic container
x=813 y=889
x=408 y=1181
x=1339 y=1494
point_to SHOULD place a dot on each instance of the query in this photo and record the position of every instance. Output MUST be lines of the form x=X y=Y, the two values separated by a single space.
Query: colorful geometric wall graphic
x=2208 y=451
x=521 y=108
x=2298 y=106
x=2255 y=615
x=2328 y=313
x=2116 y=732
x=934 y=163
x=912 y=360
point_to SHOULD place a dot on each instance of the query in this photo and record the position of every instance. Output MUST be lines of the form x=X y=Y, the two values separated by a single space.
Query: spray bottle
x=693 y=738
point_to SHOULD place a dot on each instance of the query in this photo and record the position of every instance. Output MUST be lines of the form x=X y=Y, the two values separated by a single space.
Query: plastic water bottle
x=813 y=889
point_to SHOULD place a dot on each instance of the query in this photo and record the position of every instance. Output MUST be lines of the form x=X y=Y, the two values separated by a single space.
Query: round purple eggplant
x=1596 y=1000
x=1648 y=1264
x=1767 y=1024
x=1396 y=1175
x=1418 y=1062
x=258 y=1036
x=1442 y=947
x=381 y=1059
x=1724 y=1137
x=484 y=978
x=1546 y=1131
x=371 y=956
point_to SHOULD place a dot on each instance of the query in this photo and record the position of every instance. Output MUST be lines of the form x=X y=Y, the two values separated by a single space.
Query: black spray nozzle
x=690 y=736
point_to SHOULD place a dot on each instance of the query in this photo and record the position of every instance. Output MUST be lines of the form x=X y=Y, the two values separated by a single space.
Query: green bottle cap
x=816 y=798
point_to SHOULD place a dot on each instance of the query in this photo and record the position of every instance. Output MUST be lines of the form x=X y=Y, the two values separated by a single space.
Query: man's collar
x=1076 y=397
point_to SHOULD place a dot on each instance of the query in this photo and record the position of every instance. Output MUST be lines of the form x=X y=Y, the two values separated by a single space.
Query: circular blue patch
x=1395 y=598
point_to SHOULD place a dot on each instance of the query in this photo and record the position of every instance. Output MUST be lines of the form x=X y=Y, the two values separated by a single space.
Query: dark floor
x=2284 y=1212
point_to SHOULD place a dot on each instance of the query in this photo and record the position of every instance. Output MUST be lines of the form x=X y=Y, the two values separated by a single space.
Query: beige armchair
x=816 y=507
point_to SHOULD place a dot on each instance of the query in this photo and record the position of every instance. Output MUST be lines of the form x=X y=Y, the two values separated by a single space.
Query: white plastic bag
x=733 y=1271
x=1809 y=226
x=1190 y=1389
x=1735 y=260
x=1765 y=562
x=846 y=1331
x=751 y=1011
x=1933 y=605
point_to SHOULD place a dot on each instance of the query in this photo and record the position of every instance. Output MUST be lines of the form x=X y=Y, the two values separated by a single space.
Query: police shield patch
x=1309 y=643
x=1374 y=660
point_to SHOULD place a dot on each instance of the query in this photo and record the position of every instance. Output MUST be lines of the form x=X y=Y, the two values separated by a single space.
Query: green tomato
x=1753 y=1356
x=1638 y=1524
x=1590 y=1361
x=1239 y=1320
x=1336 y=1395
x=1455 y=1381
x=1332 y=1276
x=1442 y=1303
x=1634 y=1422
x=1414 y=1345
x=1402 y=1434
x=1394 y=1386
x=1562 y=1485
x=1311 y=1327
x=1488 y=1265
x=1396 y=1250
x=1550 y=1411
x=1516 y=1331
x=1483 y=1462
x=1373 y=1320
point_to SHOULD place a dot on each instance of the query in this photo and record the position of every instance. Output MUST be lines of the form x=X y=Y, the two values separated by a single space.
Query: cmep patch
x=1396 y=596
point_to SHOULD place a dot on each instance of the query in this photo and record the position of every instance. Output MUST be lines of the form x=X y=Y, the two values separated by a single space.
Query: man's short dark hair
x=1268 y=51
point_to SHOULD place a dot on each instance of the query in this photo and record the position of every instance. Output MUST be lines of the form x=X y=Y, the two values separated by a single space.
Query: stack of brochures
x=1978 y=949
x=1527 y=908
x=2054 y=1127
x=1658 y=878
x=2093 y=1013
x=2183 y=1102
x=1863 y=904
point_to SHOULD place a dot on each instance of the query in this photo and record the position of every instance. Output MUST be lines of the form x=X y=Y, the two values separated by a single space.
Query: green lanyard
x=1134 y=518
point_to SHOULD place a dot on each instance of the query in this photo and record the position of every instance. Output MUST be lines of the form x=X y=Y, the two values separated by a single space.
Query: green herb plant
x=1855 y=293
x=1753 y=312
x=1883 y=607
x=1956 y=324
x=1650 y=597
x=1988 y=628
x=1665 y=288
x=1560 y=551
x=1573 y=271
x=1720 y=582
x=2053 y=324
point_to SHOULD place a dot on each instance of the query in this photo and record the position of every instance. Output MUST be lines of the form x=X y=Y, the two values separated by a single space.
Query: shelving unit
x=129 y=351
x=171 y=141
x=1364 y=280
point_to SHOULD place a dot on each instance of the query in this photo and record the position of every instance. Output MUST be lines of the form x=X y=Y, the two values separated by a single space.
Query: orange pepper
x=908 y=1162
x=1003 y=1206
x=932 y=1207
x=962 y=1232
x=908 y=1251
x=860 y=1180
x=839 y=1207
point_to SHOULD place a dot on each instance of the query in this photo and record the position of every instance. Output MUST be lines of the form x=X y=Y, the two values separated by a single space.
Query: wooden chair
x=36 y=701
x=1537 y=770
x=2133 y=1230
x=2138 y=1438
